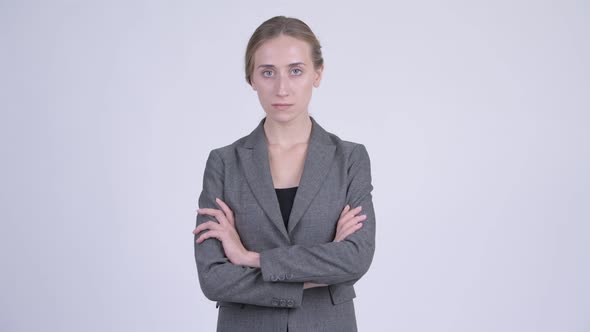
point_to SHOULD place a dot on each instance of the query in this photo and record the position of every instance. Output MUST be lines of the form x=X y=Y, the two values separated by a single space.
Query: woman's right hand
x=308 y=284
x=349 y=222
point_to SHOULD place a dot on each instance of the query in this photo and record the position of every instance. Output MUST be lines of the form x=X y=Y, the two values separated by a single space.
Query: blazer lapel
x=320 y=153
x=254 y=157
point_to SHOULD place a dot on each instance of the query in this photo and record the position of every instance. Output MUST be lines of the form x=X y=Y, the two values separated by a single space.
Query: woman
x=280 y=238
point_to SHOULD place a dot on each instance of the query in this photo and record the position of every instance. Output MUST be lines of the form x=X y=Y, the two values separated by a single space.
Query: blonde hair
x=282 y=25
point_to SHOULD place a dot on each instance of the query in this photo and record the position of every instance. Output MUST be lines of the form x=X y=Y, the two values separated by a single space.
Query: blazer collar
x=254 y=158
x=258 y=137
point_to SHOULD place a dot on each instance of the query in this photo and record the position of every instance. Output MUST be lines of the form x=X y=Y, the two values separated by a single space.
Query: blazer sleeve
x=221 y=280
x=334 y=262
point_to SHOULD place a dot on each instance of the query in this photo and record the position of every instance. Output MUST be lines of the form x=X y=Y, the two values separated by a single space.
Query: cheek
x=263 y=93
x=305 y=88
x=301 y=83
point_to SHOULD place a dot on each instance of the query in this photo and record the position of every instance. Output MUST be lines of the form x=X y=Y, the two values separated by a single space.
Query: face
x=284 y=77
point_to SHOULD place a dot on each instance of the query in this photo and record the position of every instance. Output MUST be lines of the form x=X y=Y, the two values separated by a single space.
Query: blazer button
x=290 y=303
x=282 y=277
x=275 y=302
x=273 y=277
x=283 y=302
x=289 y=276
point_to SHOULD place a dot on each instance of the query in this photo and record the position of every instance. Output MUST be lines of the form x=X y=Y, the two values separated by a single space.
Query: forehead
x=283 y=50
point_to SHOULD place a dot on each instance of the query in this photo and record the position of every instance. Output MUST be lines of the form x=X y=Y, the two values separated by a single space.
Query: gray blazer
x=272 y=298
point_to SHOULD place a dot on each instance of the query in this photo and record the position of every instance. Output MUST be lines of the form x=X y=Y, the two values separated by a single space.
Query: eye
x=299 y=73
x=266 y=71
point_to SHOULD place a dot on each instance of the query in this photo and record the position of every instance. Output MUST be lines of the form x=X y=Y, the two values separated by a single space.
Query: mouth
x=281 y=106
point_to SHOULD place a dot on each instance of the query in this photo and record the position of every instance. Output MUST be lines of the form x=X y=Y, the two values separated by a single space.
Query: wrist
x=252 y=259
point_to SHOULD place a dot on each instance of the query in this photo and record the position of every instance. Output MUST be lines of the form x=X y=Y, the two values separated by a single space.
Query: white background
x=475 y=115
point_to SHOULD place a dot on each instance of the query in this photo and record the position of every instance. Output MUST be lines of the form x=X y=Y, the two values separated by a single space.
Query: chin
x=283 y=116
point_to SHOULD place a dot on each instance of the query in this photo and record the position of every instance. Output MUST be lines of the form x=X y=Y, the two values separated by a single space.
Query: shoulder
x=354 y=154
x=227 y=152
x=352 y=151
x=355 y=159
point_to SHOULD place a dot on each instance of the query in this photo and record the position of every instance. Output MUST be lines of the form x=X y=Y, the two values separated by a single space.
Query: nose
x=282 y=86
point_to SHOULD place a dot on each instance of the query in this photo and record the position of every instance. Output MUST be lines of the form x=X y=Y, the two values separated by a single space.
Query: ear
x=318 y=76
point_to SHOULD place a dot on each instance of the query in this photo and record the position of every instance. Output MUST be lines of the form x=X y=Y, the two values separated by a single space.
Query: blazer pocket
x=341 y=293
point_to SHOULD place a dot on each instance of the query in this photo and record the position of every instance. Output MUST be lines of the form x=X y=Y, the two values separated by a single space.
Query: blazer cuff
x=268 y=273
x=292 y=296
x=293 y=291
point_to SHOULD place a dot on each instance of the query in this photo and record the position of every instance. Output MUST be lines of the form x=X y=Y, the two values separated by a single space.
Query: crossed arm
x=281 y=273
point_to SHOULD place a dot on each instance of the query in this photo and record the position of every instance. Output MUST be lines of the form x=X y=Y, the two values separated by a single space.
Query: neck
x=295 y=131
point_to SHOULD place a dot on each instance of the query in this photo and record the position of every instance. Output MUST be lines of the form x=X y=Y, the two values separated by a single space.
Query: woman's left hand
x=225 y=231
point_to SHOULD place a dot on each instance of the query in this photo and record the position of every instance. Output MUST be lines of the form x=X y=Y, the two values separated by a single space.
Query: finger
x=218 y=214
x=349 y=215
x=206 y=225
x=349 y=230
x=344 y=217
x=353 y=212
x=229 y=214
x=208 y=211
x=355 y=220
x=202 y=227
x=346 y=208
x=208 y=235
x=352 y=222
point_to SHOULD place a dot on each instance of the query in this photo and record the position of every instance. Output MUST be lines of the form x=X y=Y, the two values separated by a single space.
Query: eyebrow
x=290 y=65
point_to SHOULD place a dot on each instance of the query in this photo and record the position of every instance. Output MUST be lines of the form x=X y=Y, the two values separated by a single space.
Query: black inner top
x=286 y=197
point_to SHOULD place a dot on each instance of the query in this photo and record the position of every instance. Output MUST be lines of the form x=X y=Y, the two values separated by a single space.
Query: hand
x=225 y=231
x=348 y=223
x=307 y=285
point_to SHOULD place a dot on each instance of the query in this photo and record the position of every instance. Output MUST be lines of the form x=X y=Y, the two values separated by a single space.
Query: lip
x=281 y=106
